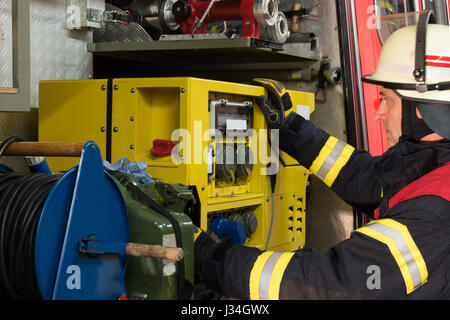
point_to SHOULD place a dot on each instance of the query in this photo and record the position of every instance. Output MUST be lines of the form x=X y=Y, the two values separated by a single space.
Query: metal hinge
x=80 y=16
x=100 y=16
x=95 y=15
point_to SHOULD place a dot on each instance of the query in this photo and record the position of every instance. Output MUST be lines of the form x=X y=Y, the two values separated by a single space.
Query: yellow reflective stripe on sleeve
x=416 y=255
x=323 y=155
x=255 y=274
x=267 y=273
x=402 y=247
x=331 y=159
x=339 y=164
x=277 y=275
x=394 y=251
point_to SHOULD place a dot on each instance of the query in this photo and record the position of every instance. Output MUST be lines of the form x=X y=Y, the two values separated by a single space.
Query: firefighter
x=403 y=253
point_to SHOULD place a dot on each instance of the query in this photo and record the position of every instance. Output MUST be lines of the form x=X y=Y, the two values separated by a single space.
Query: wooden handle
x=154 y=251
x=9 y=90
x=45 y=149
x=295 y=19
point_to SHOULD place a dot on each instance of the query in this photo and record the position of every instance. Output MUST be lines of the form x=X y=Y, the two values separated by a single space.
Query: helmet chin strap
x=412 y=127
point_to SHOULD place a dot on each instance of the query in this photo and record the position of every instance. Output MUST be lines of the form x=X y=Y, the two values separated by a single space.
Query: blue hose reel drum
x=84 y=206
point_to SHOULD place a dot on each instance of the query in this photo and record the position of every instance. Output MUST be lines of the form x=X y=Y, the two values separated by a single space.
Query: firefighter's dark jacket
x=403 y=253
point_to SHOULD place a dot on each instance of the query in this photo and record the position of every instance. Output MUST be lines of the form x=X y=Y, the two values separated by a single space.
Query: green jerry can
x=159 y=279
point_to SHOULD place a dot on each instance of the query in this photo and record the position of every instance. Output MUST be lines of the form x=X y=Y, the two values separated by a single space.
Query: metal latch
x=92 y=247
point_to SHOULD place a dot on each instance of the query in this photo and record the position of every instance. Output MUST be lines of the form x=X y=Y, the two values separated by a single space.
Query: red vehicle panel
x=369 y=49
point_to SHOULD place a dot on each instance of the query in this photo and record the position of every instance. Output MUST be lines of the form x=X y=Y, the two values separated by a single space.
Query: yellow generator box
x=208 y=135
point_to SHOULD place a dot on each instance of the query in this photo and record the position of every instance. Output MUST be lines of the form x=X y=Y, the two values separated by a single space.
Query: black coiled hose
x=21 y=200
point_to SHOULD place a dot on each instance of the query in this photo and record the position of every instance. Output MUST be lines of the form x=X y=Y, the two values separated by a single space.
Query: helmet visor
x=386 y=23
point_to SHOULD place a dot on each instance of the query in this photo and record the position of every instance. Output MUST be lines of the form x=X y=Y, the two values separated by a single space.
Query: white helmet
x=415 y=62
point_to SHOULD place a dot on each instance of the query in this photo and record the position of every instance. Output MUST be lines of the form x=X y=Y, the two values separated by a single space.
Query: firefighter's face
x=390 y=113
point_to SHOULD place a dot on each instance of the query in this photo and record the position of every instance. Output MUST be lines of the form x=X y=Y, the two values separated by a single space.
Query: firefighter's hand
x=204 y=244
x=276 y=104
x=273 y=114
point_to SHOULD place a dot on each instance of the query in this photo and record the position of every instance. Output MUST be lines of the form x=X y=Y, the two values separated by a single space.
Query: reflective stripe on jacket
x=404 y=255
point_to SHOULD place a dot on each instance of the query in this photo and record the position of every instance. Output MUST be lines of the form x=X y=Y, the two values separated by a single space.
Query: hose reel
x=73 y=253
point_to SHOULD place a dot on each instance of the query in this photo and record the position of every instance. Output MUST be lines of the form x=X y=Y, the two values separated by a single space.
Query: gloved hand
x=204 y=245
x=274 y=106
x=209 y=255
x=273 y=115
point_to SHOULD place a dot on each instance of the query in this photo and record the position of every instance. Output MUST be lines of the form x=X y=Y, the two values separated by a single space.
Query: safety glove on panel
x=276 y=104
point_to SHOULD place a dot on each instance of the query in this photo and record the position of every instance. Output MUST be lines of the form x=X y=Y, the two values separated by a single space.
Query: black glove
x=276 y=104
x=209 y=255
x=274 y=116
x=204 y=245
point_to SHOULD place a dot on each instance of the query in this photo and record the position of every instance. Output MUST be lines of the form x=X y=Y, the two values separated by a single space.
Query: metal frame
x=362 y=111
x=19 y=97
x=440 y=9
x=213 y=51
